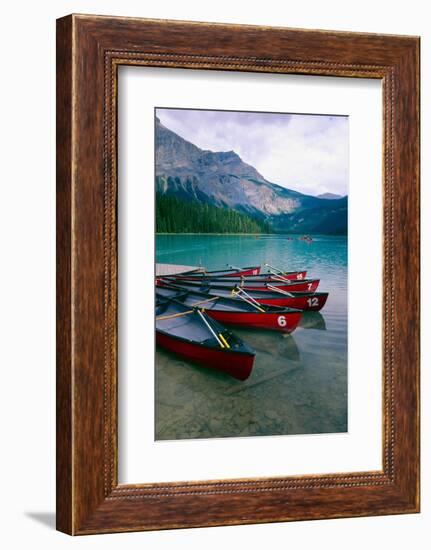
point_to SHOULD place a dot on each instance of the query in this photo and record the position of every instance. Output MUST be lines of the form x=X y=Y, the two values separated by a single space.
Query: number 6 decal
x=281 y=320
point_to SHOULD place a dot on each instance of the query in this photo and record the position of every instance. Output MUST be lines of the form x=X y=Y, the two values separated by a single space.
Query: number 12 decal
x=312 y=302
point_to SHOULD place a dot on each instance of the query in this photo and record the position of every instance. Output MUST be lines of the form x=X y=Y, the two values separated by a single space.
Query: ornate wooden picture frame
x=89 y=51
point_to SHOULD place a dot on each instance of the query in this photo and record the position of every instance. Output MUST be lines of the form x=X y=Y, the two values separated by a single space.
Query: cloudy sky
x=308 y=153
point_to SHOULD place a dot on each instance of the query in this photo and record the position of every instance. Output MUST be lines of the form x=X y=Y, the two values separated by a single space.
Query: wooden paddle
x=163 y=317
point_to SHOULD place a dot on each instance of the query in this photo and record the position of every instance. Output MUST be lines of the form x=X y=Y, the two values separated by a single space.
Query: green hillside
x=174 y=215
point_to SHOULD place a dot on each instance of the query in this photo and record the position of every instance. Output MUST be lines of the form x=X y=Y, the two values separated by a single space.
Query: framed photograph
x=237 y=274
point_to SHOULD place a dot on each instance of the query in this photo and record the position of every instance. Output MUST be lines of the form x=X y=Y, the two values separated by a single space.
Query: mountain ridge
x=331 y=196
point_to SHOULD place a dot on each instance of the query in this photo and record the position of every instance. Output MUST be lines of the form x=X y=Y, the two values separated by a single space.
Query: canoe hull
x=245 y=272
x=252 y=274
x=309 y=285
x=306 y=301
x=237 y=364
x=283 y=322
x=273 y=277
x=294 y=286
x=313 y=302
x=295 y=276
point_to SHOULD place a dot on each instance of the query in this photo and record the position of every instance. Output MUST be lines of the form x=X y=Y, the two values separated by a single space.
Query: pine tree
x=174 y=215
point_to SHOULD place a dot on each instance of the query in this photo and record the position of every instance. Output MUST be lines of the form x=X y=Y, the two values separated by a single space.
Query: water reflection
x=312 y=319
x=274 y=343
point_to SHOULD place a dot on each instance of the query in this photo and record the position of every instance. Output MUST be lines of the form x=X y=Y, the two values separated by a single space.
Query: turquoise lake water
x=299 y=382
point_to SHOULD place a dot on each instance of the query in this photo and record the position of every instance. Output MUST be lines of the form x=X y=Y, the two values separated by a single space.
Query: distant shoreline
x=256 y=234
x=227 y=234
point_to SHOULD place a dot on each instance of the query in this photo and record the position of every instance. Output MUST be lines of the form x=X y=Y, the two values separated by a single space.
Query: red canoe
x=232 y=311
x=307 y=285
x=306 y=301
x=232 y=272
x=262 y=277
x=194 y=336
